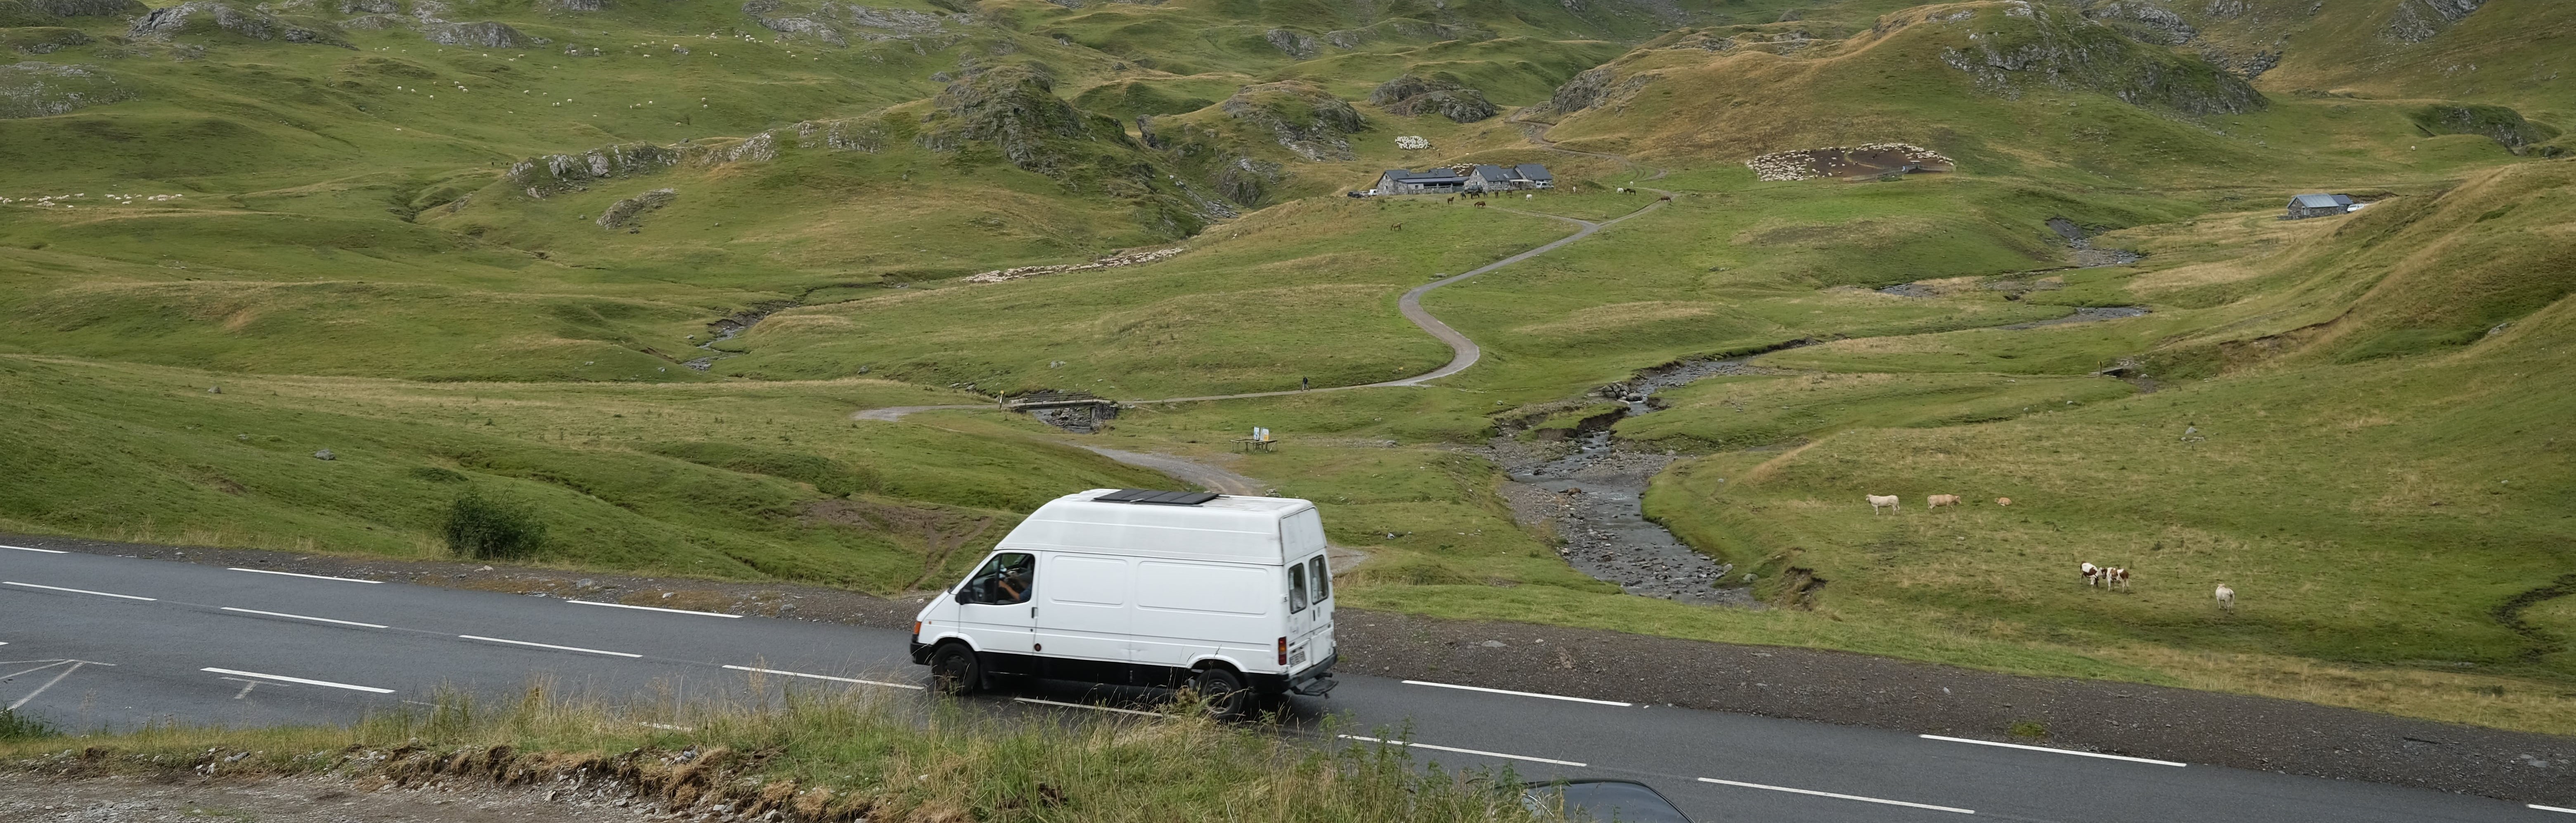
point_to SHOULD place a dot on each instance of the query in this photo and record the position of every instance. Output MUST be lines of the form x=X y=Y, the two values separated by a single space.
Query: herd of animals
x=2108 y=577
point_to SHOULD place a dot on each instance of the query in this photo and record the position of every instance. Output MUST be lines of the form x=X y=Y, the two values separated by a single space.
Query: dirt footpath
x=189 y=799
x=1807 y=684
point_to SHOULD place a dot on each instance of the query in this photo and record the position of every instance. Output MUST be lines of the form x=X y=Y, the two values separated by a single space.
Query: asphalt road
x=93 y=641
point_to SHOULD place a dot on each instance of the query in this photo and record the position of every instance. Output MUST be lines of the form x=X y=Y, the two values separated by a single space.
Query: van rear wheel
x=1221 y=691
x=954 y=670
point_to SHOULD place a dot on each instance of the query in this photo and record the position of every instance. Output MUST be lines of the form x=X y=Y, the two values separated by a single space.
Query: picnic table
x=1254 y=444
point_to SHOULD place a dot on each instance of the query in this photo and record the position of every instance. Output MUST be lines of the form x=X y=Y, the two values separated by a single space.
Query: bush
x=489 y=529
x=15 y=726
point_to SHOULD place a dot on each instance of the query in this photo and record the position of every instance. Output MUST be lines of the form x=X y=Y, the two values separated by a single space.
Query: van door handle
x=1033 y=611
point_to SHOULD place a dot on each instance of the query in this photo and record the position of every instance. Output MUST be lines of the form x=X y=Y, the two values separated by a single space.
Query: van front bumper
x=920 y=652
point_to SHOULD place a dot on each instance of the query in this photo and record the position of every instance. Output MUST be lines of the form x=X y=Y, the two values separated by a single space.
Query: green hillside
x=630 y=268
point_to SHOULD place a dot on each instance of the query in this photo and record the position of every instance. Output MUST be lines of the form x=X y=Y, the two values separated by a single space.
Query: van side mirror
x=961 y=596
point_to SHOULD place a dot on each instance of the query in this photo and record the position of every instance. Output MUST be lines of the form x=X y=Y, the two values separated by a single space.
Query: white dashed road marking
x=1412 y=745
x=1087 y=706
x=1517 y=694
x=2053 y=751
x=26 y=549
x=302 y=617
x=548 y=646
x=313 y=576
x=285 y=679
x=652 y=608
x=76 y=591
x=1838 y=796
x=826 y=677
x=2550 y=808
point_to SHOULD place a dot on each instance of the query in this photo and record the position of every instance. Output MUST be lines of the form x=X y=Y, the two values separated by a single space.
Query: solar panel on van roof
x=1155 y=498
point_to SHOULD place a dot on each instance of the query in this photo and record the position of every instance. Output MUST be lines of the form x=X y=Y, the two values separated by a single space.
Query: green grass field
x=395 y=251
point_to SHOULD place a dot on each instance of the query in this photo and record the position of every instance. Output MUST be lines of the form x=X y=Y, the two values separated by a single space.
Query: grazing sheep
x=2003 y=501
x=2226 y=597
x=1939 y=500
x=2092 y=573
x=1879 y=501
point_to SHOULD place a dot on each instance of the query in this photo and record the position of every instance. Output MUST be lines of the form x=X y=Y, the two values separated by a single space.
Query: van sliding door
x=1186 y=611
x=1085 y=613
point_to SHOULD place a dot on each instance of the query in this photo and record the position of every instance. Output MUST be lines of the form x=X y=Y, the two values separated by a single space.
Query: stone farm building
x=1481 y=178
x=2318 y=205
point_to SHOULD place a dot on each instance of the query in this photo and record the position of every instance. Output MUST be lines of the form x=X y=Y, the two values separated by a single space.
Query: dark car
x=1602 y=801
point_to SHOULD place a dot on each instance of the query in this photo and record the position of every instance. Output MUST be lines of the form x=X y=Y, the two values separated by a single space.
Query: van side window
x=1323 y=575
x=1005 y=580
x=1296 y=588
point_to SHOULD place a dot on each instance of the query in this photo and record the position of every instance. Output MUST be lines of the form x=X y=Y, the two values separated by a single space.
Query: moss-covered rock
x=33 y=89
x=2498 y=123
x=1303 y=117
x=1440 y=94
x=208 y=17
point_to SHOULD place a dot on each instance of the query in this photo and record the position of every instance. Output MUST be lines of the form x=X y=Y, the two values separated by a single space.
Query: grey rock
x=85 y=8
x=1296 y=44
x=370 y=7
x=548 y=175
x=34 y=89
x=42 y=40
x=486 y=34
x=1410 y=95
x=325 y=454
x=627 y=212
x=2419 y=20
x=210 y=16
x=1303 y=117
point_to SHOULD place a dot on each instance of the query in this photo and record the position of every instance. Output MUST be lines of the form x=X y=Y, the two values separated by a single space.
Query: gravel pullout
x=1776 y=681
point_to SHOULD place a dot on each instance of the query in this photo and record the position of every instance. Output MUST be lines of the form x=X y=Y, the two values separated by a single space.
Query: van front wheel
x=954 y=670
x=1221 y=691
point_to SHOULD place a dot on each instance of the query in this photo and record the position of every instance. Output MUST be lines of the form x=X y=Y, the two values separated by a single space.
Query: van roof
x=1228 y=527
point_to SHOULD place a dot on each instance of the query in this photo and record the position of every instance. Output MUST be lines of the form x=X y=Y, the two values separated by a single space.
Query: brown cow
x=1939 y=500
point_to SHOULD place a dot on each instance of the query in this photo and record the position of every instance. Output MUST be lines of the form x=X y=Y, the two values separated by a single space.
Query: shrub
x=489 y=529
x=15 y=726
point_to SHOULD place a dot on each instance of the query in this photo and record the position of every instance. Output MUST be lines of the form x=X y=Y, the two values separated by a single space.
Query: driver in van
x=1014 y=584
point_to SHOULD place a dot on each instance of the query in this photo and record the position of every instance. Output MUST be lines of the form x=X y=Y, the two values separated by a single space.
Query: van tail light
x=1283 y=651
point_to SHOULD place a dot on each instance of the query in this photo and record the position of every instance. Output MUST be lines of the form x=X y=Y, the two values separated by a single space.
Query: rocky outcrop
x=40 y=11
x=2503 y=125
x=842 y=135
x=487 y=34
x=2419 y=20
x=1403 y=29
x=1302 y=117
x=213 y=17
x=33 y=89
x=630 y=211
x=1295 y=43
x=2145 y=20
x=41 y=40
x=2029 y=45
x=1013 y=108
x=1594 y=88
x=370 y=7
x=1411 y=95
x=552 y=174
x=579 y=5
x=839 y=24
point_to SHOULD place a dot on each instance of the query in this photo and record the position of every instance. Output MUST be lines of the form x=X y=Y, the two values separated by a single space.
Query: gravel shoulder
x=1833 y=687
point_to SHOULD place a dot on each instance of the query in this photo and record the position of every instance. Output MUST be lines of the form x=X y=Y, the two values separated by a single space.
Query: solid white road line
x=77 y=591
x=2550 y=808
x=285 y=679
x=653 y=608
x=1412 y=745
x=547 y=646
x=1838 y=796
x=1519 y=694
x=2054 y=751
x=314 y=576
x=1087 y=706
x=25 y=549
x=826 y=677
x=302 y=617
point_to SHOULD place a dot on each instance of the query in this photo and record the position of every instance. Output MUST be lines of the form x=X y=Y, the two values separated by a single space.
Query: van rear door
x=1085 y=611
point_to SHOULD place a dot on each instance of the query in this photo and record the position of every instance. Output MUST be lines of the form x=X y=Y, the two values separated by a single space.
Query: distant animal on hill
x=2003 y=501
x=1881 y=501
x=1939 y=500
x=1480 y=204
x=2116 y=576
x=2226 y=597
x=1399 y=227
x=2092 y=573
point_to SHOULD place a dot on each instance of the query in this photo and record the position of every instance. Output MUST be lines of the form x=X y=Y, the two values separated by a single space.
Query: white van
x=1230 y=595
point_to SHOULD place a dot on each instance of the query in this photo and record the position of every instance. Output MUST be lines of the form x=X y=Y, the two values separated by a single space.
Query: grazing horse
x=1881 y=501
